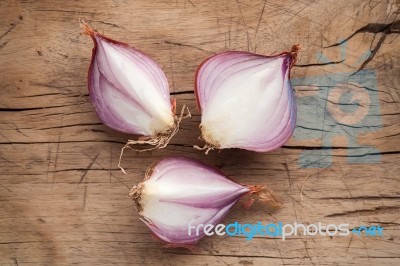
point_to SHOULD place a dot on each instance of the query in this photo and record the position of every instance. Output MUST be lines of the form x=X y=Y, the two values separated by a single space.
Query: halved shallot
x=246 y=100
x=130 y=92
x=179 y=192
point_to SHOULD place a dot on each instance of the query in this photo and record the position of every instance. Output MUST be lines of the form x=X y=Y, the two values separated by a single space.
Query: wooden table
x=64 y=200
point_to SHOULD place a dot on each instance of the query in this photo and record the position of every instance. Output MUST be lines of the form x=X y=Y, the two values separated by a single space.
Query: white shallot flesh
x=130 y=93
x=178 y=191
x=246 y=100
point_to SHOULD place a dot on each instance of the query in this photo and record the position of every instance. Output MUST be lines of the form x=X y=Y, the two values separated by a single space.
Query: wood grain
x=63 y=199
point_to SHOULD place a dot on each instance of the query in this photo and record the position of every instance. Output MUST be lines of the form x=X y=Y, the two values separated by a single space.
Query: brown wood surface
x=64 y=201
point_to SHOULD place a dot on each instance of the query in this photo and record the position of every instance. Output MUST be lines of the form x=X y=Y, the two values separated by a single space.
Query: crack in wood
x=359 y=198
x=67 y=11
x=365 y=211
x=231 y=255
x=185 y=45
x=321 y=64
x=84 y=197
x=372 y=28
x=16 y=109
x=3 y=45
x=181 y=92
x=88 y=168
x=73 y=125
x=9 y=30
x=57 y=150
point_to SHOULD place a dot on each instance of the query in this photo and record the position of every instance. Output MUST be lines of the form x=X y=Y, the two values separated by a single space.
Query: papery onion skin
x=246 y=100
x=179 y=190
x=134 y=102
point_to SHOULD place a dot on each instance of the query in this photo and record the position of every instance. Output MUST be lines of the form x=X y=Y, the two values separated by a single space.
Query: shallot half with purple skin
x=130 y=92
x=179 y=191
x=246 y=100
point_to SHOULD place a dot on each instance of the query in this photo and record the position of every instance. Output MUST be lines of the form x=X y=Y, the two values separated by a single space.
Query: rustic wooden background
x=63 y=199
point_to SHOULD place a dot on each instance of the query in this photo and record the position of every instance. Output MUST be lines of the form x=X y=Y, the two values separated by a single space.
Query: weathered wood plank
x=63 y=199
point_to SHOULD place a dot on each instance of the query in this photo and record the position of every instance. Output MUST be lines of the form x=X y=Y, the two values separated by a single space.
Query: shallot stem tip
x=88 y=30
x=266 y=195
x=294 y=53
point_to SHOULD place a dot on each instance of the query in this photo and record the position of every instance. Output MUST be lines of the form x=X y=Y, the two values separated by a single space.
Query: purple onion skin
x=124 y=105
x=180 y=191
x=267 y=131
